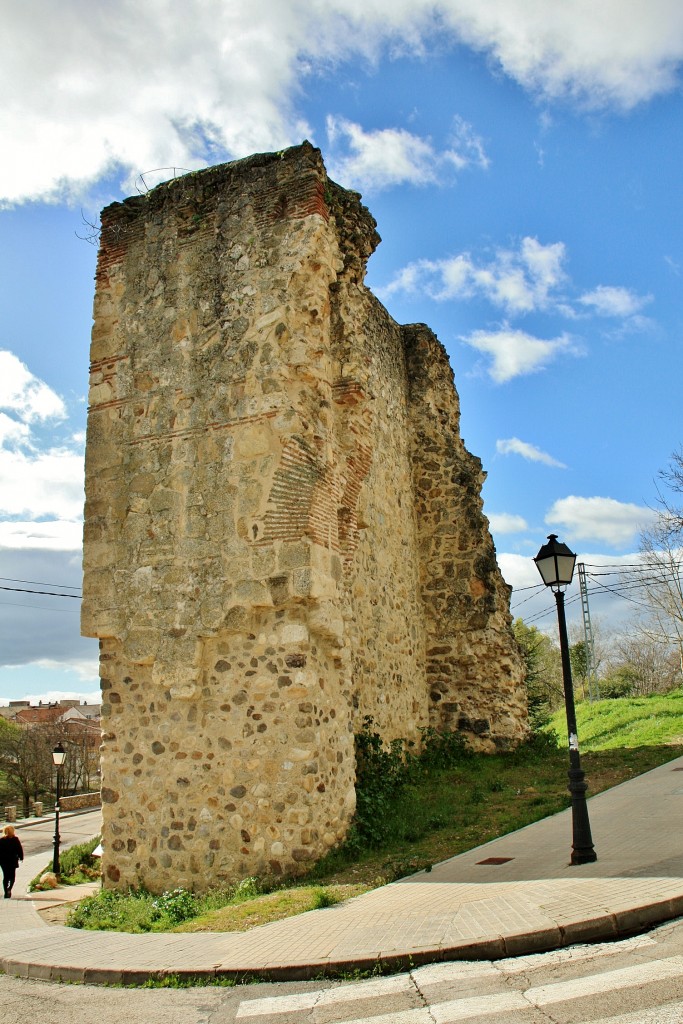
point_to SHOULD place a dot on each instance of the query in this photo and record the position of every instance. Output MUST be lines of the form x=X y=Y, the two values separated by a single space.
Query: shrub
x=380 y=773
x=323 y=898
x=246 y=889
x=76 y=865
x=384 y=771
x=441 y=750
x=177 y=905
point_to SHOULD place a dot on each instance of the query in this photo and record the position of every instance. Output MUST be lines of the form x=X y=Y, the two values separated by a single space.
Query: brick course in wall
x=283 y=532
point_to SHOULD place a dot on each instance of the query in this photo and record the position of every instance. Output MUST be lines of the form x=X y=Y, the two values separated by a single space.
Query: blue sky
x=523 y=161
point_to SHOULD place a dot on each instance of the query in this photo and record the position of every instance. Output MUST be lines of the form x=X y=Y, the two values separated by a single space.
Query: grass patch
x=77 y=865
x=273 y=906
x=186 y=981
x=626 y=722
x=235 y=909
x=454 y=810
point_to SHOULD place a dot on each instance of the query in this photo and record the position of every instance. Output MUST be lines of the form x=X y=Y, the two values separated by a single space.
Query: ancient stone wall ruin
x=284 y=531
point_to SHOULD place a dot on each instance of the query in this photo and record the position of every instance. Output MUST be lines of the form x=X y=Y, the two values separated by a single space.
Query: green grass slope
x=626 y=722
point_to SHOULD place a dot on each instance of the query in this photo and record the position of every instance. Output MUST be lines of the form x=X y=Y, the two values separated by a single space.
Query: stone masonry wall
x=472 y=668
x=261 y=536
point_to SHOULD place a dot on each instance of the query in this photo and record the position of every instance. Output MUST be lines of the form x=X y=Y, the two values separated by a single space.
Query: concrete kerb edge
x=48 y=819
x=640 y=919
x=606 y=928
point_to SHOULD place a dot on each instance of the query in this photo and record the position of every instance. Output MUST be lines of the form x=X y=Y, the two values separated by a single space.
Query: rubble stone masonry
x=283 y=532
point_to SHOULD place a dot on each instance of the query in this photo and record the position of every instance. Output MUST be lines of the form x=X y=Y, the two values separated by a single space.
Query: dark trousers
x=8 y=876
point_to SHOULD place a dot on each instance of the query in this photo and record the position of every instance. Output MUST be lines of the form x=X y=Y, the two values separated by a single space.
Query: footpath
x=513 y=896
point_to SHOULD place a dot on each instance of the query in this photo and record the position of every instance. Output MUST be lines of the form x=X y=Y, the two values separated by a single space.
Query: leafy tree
x=639 y=666
x=661 y=546
x=543 y=672
x=578 y=656
x=26 y=760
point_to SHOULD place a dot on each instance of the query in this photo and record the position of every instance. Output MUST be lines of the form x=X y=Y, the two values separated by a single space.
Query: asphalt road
x=73 y=828
x=636 y=981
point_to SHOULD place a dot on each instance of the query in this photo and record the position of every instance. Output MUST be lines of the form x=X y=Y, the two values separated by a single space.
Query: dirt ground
x=56 y=915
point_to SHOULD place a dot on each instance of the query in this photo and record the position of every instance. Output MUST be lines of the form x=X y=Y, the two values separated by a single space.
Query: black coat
x=11 y=852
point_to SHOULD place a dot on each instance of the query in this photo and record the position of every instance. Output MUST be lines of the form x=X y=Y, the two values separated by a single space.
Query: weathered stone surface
x=284 y=531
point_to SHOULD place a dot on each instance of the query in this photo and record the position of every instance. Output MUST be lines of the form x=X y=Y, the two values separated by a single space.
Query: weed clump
x=383 y=772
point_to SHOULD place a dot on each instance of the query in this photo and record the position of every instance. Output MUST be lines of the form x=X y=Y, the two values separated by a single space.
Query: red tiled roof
x=34 y=716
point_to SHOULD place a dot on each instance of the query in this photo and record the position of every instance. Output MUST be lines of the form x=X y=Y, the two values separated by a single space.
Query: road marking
x=572 y=954
x=432 y=974
x=436 y=974
x=454 y=1010
x=610 y=981
x=327 y=996
x=672 y=1013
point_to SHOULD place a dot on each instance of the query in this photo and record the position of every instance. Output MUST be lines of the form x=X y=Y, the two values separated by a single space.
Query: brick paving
x=462 y=909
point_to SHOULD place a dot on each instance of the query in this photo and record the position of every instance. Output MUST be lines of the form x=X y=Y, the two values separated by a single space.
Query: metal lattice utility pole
x=593 y=685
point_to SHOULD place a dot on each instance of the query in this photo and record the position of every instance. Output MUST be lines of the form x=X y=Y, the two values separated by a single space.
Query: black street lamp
x=555 y=562
x=58 y=756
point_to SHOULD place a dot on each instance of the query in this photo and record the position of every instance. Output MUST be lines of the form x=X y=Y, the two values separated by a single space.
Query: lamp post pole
x=58 y=755
x=555 y=562
x=583 y=851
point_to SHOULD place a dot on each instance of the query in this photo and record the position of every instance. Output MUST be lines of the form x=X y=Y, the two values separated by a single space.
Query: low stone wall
x=79 y=801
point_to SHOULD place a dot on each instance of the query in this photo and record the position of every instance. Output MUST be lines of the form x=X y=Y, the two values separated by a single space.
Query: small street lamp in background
x=58 y=755
x=555 y=562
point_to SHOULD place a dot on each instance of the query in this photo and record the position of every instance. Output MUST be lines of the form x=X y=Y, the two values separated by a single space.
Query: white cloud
x=603 y=519
x=513 y=446
x=144 y=85
x=378 y=159
x=606 y=54
x=518 y=281
x=526 y=279
x=12 y=432
x=614 y=301
x=467 y=147
x=26 y=395
x=518 y=570
x=36 y=483
x=505 y=522
x=89 y=87
x=515 y=353
x=54 y=535
x=393 y=156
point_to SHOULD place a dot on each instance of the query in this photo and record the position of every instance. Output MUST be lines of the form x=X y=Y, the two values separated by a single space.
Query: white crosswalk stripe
x=572 y=954
x=671 y=1014
x=469 y=1007
x=421 y=1016
x=327 y=997
x=596 y=984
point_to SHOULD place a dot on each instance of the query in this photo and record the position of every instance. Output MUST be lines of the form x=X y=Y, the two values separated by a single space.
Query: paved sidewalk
x=525 y=899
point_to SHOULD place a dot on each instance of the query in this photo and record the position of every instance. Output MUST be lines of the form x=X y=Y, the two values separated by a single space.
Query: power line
x=631 y=585
x=547 y=611
x=34 y=583
x=46 y=593
x=640 y=572
x=619 y=593
x=529 y=598
x=39 y=608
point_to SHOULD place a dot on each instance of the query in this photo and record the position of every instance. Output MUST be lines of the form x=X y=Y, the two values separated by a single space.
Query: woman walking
x=11 y=852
